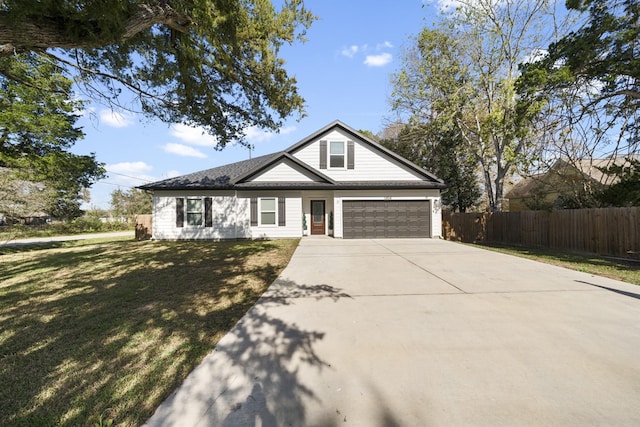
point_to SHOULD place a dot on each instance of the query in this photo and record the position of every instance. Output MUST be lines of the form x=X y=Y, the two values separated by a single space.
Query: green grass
x=106 y=330
x=626 y=271
x=78 y=226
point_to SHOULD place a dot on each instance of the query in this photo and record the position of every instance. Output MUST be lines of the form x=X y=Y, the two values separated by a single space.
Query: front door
x=317 y=217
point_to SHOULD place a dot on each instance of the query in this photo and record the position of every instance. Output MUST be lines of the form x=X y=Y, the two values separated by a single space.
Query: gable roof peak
x=368 y=141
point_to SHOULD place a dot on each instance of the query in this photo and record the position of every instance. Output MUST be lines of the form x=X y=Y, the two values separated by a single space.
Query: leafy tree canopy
x=601 y=59
x=130 y=203
x=626 y=191
x=454 y=81
x=38 y=127
x=209 y=63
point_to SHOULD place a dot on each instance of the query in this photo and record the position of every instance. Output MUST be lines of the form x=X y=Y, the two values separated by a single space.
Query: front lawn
x=95 y=331
x=77 y=226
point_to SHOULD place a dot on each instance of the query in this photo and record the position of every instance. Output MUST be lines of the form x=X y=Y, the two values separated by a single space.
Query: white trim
x=275 y=211
x=187 y=212
x=344 y=155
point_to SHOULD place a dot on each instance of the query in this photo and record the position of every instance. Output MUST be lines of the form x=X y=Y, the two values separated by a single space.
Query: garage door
x=382 y=218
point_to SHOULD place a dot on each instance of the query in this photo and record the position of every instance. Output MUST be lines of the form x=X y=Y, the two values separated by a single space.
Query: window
x=268 y=211
x=194 y=212
x=336 y=154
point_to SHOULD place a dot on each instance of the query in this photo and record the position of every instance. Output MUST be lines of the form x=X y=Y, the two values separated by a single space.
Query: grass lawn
x=78 y=226
x=105 y=330
x=626 y=271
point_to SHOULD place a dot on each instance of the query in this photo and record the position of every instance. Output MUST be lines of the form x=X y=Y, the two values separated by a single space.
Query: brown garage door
x=382 y=218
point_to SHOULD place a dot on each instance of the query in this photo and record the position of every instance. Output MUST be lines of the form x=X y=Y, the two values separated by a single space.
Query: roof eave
x=276 y=158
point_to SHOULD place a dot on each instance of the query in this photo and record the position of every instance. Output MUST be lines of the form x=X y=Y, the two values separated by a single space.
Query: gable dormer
x=344 y=154
x=283 y=168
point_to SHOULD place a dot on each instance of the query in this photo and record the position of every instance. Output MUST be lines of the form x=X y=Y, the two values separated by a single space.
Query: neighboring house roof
x=592 y=168
x=568 y=173
x=237 y=175
x=525 y=186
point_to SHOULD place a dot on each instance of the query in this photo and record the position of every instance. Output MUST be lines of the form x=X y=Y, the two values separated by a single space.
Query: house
x=563 y=179
x=334 y=182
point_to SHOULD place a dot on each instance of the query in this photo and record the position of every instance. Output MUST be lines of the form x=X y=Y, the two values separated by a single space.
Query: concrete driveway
x=422 y=333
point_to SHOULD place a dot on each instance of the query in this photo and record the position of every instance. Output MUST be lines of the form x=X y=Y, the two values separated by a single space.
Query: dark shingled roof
x=220 y=178
x=237 y=175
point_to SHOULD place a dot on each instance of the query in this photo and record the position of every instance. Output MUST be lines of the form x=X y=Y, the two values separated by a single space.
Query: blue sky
x=343 y=72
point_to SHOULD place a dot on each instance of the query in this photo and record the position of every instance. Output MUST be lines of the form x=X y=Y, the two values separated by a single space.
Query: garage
x=386 y=218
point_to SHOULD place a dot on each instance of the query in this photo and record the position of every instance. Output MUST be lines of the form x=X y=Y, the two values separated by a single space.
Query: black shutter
x=282 y=216
x=350 y=155
x=179 y=212
x=208 y=215
x=254 y=211
x=323 y=154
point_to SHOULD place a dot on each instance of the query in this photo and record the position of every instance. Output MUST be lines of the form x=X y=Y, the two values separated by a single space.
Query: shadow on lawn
x=111 y=329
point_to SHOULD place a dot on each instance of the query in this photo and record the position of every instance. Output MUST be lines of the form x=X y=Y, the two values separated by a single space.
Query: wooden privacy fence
x=609 y=231
x=143 y=227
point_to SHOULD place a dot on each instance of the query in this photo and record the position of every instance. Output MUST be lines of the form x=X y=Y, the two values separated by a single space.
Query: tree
x=20 y=199
x=626 y=191
x=37 y=130
x=439 y=149
x=592 y=74
x=602 y=53
x=463 y=72
x=130 y=203
x=206 y=63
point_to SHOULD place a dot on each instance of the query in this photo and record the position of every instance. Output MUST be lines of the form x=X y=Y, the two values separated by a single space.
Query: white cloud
x=256 y=135
x=116 y=119
x=129 y=173
x=193 y=135
x=447 y=6
x=173 y=173
x=130 y=168
x=183 y=150
x=350 y=51
x=378 y=60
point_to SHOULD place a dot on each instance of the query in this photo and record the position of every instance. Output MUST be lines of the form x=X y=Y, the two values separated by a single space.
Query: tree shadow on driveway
x=254 y=375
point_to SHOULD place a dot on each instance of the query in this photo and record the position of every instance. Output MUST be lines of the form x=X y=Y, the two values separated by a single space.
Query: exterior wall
x=231 y=216
x=223 y=211
x=282 y=172
x=293 y=216
x=432 y=195
x=327 y=196
x=369 y=165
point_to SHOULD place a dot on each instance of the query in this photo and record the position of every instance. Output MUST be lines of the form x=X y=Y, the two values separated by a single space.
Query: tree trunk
x=501 y=174
x=44 y=32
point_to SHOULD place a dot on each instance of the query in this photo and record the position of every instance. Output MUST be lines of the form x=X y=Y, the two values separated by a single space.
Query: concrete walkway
x=35 y=240
x=421 y=333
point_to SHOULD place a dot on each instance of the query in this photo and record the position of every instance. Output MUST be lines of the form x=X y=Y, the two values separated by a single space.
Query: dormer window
x=336 y=154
